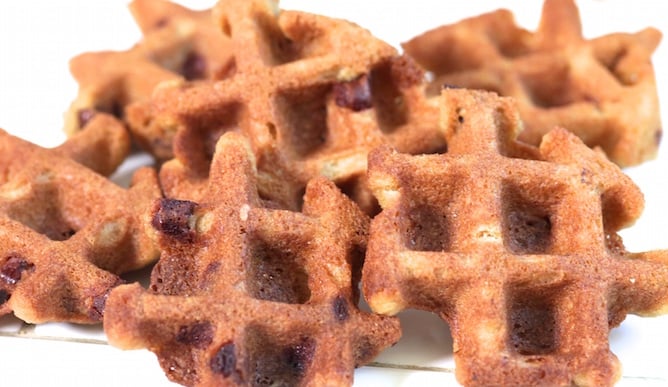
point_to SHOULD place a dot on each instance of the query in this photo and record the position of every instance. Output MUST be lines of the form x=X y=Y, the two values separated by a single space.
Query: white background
x=37 y=38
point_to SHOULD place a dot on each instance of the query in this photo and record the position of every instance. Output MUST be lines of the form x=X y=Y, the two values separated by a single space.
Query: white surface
x=37 y=38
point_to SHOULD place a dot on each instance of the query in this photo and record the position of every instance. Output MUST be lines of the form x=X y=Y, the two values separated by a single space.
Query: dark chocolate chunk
x=96 y=311
x=354 y=95
x=194 y=67
x=225 y=360
x=13 y=269
x=199 y=334
x=340 y=308
x=172 y=218
x=4 y=296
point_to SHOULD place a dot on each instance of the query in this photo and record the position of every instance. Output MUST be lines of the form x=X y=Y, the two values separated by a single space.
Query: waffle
x=601 y=89
x=177 y=43
x=515 y=247
x=245 y=294
x=206 y=53
x=66 y=231
x=314 y=94
x=101 y=145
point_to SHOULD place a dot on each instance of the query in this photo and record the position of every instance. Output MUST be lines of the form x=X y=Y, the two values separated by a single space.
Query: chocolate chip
x=96 y=311
x=13 y=269
x=84 y=116
x=299 y=356
x=225 y=360
x=354 y=95
x=340 y=308
x=194 y=66
x=4 y=296
x=199 y=334
x=172 y=218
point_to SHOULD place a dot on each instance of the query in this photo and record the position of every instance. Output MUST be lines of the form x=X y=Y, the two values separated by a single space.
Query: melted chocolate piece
x=172 y=218
x=340 y=308
x=354 y=95
x=194 y=67
x=96 y=311
x=13 y=269
x=4 y=296
x=225 y=360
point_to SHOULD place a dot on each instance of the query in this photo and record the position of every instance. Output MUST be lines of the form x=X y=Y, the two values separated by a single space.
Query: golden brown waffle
x=602 y=89
x=177 y=43
x=101 y=145
x=314 y=94
x=515 y=247
x=248 y=295
x=206 y=53
x=66 y=231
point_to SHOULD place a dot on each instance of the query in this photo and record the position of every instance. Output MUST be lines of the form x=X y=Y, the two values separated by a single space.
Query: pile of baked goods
x=304 y=167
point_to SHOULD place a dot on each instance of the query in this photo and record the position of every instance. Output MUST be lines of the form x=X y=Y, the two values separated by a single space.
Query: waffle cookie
x=248 y=295
x=102 y=144
x=66 y=231
x=515 y=247
x=601 y=89
x=178 y=43
x=314 y=95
